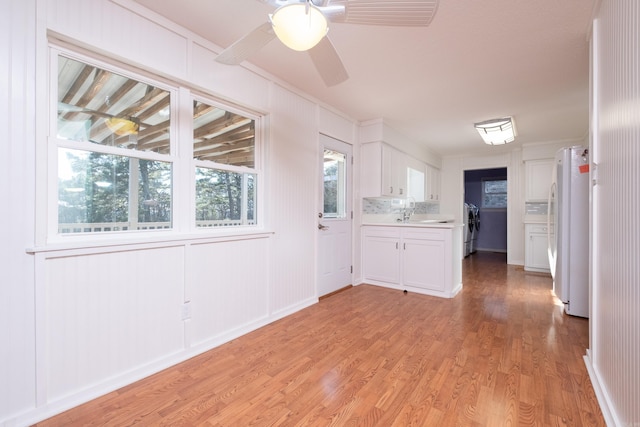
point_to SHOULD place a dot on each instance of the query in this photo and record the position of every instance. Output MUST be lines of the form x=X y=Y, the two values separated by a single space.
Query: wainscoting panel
x=110 y=313
x=228 y=287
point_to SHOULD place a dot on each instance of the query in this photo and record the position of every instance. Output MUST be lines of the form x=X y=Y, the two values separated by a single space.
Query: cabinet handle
x=404 y=246
x=390 y=190
x=401 y=191
x=396 y=245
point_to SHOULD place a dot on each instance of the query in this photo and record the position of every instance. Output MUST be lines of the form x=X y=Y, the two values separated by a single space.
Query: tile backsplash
x=391 y=206
x=536 y=208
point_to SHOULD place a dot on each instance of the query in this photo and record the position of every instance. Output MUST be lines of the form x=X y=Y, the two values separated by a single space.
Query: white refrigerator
x=568 y=217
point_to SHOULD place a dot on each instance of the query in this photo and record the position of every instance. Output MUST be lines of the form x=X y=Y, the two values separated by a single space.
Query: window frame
x=180 y=156
x=257 y=169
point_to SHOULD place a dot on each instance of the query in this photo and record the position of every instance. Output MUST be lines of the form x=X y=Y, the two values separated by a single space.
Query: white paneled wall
x=294 y=179
x=17 y=309
x=615 y=317
x=111 y=28
x=238 y=84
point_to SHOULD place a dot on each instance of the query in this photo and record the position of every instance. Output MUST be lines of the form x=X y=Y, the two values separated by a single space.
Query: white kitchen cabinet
x=382 y=255
x=536 y=257
x=433 y=184
x=418 y=259
x=423 y=259
x=384 y=171
x=538 y=179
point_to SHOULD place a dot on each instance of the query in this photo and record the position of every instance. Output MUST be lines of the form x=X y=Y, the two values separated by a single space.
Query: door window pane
x=334 y=184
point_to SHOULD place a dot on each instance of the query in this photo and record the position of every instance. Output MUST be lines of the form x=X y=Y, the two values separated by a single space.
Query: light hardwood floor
x=501 y=353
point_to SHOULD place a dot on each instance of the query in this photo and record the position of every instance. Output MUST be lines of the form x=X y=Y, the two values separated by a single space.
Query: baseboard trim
x=601 y=395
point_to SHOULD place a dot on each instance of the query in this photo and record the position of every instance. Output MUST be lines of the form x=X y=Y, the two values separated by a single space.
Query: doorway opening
x=485 y=197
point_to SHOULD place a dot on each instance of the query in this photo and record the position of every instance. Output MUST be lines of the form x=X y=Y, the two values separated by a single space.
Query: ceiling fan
x=314 y=15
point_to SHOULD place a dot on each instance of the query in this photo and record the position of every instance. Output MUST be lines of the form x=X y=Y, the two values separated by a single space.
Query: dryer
x=469 y=226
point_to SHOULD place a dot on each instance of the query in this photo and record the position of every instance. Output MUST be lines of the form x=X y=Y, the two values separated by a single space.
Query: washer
x=474 y=212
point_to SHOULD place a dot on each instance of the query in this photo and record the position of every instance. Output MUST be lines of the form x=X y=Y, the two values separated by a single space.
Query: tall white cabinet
x=538 y=179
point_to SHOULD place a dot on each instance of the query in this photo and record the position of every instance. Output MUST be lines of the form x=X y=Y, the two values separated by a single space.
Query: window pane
x=495 y=186
x=334 y=184
x=104 y=192
x=105 y=108
x=225 y=198
x=223 y=137
x=415 y=188
x=494 y=194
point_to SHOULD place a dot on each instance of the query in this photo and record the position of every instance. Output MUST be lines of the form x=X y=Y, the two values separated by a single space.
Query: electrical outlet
x=186 y=310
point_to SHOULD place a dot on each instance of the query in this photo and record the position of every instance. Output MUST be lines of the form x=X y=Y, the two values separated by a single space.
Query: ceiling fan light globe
x=121 y=126
x=299 y=26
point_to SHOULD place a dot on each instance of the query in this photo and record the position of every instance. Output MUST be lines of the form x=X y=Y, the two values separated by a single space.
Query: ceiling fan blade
x=328 y=63
x=392 y=13
x=247 y=45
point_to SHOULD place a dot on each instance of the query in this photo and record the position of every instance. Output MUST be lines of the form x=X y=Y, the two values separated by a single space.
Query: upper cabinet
x=538 y=179
x=388 y=172
x=432 y=193
x=384 y=171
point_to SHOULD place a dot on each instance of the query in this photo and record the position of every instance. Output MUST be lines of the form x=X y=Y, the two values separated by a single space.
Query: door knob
x=322 y=227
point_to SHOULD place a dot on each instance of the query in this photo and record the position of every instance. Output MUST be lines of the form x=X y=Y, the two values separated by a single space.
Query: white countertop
x=418 y=220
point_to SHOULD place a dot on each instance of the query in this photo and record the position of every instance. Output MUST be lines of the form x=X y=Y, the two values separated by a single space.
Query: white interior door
x=334 y=216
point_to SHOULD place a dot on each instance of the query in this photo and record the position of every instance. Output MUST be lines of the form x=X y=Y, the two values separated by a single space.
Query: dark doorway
x=487 y=190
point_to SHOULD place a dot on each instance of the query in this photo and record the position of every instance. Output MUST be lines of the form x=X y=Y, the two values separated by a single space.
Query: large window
x=118 y=152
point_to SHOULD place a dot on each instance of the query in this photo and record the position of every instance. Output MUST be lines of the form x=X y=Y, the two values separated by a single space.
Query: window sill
x=78 y=244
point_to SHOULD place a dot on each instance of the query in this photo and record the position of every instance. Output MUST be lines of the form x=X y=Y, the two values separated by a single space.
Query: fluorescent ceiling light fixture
x=300 y=26
x=497 y=131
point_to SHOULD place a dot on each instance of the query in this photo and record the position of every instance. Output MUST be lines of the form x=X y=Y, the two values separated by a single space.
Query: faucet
x=406 y=214
x=409 y=208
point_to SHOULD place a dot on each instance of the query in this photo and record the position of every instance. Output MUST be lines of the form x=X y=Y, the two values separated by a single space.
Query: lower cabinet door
x=382 y=259
x=423 y=263
x=535 y=251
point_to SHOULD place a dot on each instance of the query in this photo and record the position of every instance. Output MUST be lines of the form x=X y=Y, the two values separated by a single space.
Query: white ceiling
x=477 y=60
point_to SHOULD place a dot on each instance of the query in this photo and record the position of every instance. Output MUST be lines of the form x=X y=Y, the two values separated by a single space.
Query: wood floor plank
x=500 y=353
